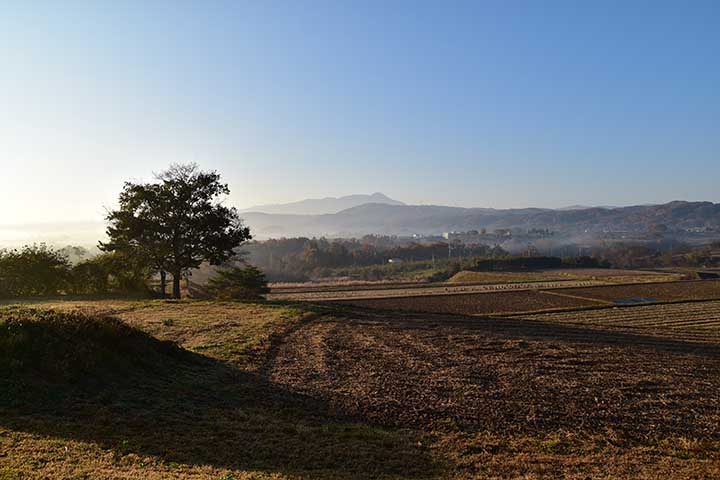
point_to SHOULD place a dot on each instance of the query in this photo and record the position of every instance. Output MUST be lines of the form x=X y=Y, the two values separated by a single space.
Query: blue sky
x=492 y=104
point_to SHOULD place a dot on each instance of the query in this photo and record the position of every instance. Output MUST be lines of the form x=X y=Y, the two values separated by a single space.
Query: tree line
x=175 y=224
x=299 y=259
x=39 y=270
x=168 y=226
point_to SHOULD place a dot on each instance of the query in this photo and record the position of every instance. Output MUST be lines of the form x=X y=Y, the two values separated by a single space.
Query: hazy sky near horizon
x=493 y=104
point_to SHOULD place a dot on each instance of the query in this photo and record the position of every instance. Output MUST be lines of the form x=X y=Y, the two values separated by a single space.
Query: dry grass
x=229 y=331
x=269 y=391
x=504 y=277
x=505 y=398
x=600 y=274
x=210 y=414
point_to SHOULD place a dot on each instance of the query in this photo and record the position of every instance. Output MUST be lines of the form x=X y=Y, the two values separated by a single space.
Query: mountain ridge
x=320 y=206
x=385 y=219
x=376 y=218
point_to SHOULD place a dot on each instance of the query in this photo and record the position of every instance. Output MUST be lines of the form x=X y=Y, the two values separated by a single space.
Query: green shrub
x=238 y=283
x=33 y=270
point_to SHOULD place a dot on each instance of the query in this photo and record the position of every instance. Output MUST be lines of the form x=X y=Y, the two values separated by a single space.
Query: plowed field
x=475 y=304
x=696 y=290
x=695 y=321
x=504 y=375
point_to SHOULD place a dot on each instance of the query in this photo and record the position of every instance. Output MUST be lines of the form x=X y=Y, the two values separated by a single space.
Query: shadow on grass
x=39 y=300
x=131 y=393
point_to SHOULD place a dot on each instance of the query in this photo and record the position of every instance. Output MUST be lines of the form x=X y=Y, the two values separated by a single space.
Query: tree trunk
x=176 y=285
x=163 y=283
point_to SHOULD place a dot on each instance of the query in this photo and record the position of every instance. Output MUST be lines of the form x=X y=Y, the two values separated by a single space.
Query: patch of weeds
x=122 y=448
x=685 y=449
x=168 y=322
x=447 y=425
x=555 y=445
x=293 y=311
x=7 y=473
x=37 y=462
x=362 y=433
x=683 y=454
x=485 y=445
x=200 y=348
x=248 y=476
x=232 y=349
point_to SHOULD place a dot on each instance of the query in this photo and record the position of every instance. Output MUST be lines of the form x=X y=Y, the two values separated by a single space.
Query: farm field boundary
x=434 y=291
x=691 y=321
x=658 y=291
x=409 y=285
x=559 y=294
x=387 y=285
x=599 y=306
x=589 y=288
x=471 y=304
x=528 y=301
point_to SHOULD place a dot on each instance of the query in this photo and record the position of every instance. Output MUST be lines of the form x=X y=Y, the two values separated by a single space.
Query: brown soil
x=504 y=376
x=475 y=304
x=696 y=321
x=402 y=290
x=706 y=289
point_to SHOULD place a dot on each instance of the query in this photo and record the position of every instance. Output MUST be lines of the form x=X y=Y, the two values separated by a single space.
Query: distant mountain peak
x=381 y=196
x=321 y=206
x=373 y=217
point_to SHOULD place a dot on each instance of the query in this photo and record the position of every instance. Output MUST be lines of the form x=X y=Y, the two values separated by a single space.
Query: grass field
x=222 y=390
x=209 y=412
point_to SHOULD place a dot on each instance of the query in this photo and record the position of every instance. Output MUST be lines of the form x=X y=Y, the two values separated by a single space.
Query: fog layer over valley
x=86 y=234
x=392 y=217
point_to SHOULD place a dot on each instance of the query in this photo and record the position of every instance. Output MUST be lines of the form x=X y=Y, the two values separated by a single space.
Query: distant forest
x=40 y=270
x=375 y=257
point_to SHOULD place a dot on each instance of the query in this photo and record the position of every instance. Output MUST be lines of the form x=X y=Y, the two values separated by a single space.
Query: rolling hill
x=319 y=206
x=379 y=218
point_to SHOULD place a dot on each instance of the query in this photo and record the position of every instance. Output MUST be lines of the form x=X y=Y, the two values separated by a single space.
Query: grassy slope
x=210 y=414
x=206 y=416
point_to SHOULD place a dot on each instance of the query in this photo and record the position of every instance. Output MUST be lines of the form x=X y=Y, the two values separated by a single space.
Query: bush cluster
x=238 y=283
x=38 y=270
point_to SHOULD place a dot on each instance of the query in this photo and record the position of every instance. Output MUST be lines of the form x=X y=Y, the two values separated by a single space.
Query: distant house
x=395 y=260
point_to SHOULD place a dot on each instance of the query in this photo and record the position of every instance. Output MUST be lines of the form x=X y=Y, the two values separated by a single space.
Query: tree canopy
x=32 y=270
x=176 y=222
